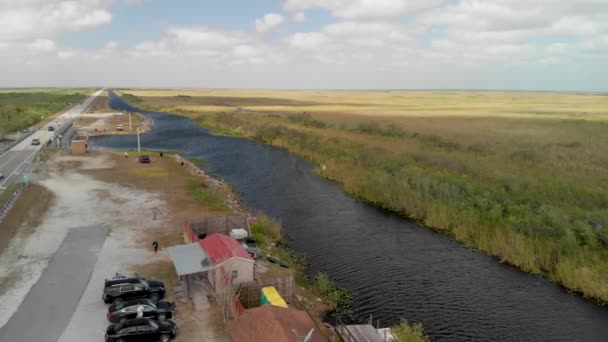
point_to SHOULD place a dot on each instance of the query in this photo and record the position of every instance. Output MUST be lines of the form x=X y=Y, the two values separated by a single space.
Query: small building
x=231 y=263
x=199 y=229
x=273 y=323
x=79 y=146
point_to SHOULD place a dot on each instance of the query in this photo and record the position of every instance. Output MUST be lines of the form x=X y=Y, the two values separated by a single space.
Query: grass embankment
x=521 y=176
x=21 y=109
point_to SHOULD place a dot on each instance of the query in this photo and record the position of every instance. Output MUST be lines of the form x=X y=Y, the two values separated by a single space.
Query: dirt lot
x=107 y=123
x=106 y=188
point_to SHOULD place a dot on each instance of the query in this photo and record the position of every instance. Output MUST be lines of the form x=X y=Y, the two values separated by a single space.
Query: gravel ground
x=79 y=200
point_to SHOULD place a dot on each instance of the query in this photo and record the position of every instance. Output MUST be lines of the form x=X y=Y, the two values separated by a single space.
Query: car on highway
x=35 y=141
x=51 y=128
x=120 y=290
x=25 y=130
x=141 y=329
x=144 y=159
x=1 y=175
x=159 y=311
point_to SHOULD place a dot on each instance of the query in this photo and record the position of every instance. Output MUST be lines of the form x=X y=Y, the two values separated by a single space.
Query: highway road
x=16 y=160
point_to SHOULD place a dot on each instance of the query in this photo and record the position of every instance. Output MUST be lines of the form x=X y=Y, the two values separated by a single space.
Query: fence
x=6 y=207
x=251 y=293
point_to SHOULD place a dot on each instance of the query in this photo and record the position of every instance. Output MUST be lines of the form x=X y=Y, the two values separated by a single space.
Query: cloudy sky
x=346 y=44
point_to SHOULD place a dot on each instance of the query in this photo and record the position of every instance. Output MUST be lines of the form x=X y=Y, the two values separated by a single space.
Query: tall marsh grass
x=529 y=188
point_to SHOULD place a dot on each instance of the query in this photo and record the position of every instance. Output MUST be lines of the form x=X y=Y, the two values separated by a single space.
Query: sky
x=306 y=44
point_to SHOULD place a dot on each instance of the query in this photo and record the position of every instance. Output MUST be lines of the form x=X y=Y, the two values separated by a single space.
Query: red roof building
x=231 y=263
x=220 y=248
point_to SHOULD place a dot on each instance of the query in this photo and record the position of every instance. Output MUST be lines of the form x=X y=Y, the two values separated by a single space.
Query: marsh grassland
x=522 y=176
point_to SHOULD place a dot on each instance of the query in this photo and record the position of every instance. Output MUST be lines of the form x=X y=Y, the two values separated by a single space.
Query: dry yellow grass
x=540 y=105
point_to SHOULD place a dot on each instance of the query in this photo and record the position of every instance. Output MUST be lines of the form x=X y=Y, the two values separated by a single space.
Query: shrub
x=265 y=230
x=339 y=299
x=405 y=332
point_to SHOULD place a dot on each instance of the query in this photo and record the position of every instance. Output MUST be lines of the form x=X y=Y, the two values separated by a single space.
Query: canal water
x=395 y=268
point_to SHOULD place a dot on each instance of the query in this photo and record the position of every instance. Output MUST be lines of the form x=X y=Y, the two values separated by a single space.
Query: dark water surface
x=394 y=267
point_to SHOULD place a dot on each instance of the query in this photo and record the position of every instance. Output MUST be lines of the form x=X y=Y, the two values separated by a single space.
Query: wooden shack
x=79 y=146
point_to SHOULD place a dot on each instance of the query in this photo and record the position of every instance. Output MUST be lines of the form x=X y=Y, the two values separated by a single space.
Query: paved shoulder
x=48 y=307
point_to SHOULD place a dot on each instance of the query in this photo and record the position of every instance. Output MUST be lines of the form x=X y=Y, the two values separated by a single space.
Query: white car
x=120 y=127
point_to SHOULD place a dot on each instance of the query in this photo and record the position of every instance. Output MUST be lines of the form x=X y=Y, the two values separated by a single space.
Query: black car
x=144 y=159
x=120 y=290
x=141 y=329
x=51 y=128
x=121 y=312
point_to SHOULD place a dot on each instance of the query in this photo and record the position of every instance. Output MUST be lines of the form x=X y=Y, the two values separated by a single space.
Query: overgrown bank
x=520 y=222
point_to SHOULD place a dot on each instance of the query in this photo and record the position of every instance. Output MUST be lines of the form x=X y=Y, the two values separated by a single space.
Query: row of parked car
x=129 y=295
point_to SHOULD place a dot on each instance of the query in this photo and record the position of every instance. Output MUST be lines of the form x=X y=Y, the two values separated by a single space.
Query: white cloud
x=310 y=40
x=37 y=19
x=42 y=45
x=268 y=22
x=299 y=17
x=353 y=9
x=351 y=33
x=111 y=45
x=372 y=44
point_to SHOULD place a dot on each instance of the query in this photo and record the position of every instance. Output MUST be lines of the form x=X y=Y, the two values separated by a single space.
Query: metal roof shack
x=220 y=248
x=199 y=229
x=273 y=323
x=189 y=259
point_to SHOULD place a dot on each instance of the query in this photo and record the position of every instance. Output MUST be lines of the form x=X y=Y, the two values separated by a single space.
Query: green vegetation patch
x=406 y=332
x=265 y=231
x=339 y=299
x=200 y=192
x=19 y=110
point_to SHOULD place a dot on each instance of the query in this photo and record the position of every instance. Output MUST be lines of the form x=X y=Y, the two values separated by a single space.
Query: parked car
x=51 y=128
x=120 y=127
x=35 y=142
x=120 y=290
x=141 y=329
x=121 y=312
x=144 y=159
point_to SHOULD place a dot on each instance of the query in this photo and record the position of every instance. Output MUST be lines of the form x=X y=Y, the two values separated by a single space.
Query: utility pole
x=130 y=129
x=138 y=144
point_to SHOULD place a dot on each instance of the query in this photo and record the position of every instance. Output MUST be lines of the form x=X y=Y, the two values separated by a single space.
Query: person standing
x=155 y=246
